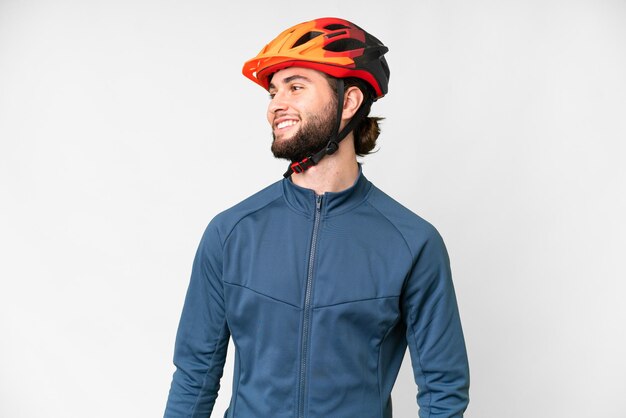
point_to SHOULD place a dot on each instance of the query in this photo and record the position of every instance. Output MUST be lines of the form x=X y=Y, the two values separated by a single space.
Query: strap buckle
x=299 y=166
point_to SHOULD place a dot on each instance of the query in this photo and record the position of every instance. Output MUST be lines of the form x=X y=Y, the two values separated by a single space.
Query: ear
x=352 y=101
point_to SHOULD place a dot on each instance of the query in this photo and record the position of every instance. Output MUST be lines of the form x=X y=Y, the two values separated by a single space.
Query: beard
x=311 y=137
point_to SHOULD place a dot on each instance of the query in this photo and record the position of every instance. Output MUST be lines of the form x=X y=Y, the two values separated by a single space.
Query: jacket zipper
x=307 y=307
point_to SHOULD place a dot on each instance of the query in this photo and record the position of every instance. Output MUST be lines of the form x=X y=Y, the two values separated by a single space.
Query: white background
x=125 y=126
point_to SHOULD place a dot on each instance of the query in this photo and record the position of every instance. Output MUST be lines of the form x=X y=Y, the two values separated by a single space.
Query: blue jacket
x=321 y=295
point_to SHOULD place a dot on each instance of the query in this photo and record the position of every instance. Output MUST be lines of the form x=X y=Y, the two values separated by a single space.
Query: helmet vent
x=336 y=26
x=344 y=45
x=306 y=38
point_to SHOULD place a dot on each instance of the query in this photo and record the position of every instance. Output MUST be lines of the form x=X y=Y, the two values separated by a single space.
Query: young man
x=320 y=279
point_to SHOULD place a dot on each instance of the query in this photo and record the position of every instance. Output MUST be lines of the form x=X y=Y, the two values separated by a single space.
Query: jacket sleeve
x=202 y=337
x=434 y=334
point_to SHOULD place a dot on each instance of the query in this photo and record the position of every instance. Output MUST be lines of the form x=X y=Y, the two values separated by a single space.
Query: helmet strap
x=333 y=143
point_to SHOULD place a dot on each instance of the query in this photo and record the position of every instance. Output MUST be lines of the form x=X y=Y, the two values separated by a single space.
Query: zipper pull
x=318 y=202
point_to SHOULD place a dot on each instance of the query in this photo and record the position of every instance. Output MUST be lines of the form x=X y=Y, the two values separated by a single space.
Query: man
x=320 y=279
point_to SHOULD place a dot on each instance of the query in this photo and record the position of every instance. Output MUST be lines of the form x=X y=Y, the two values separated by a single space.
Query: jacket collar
x=333 y=203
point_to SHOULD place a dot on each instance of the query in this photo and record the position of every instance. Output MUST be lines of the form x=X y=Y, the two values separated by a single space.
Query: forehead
x=297 y=73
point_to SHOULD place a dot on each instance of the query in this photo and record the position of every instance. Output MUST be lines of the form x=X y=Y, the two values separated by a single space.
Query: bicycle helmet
x=331 y=45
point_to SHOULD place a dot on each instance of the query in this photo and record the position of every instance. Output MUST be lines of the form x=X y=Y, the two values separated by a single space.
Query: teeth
x=286 y=123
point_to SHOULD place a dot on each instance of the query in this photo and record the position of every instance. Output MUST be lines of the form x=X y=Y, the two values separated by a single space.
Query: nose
x=277 y=104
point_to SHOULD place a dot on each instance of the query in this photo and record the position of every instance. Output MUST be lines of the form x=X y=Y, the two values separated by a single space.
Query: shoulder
x=415 y=230
x=224 y=222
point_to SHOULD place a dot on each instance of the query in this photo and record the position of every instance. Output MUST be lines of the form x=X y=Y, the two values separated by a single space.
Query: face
x=301 y=113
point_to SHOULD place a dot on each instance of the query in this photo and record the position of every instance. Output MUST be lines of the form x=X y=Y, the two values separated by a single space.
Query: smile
x=286 y=123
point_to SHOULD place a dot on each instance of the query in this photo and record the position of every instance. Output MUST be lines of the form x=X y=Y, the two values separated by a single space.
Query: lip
x=282 y=119
x=286 y=126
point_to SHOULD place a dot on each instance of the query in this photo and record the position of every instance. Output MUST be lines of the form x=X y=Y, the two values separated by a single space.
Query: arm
x=434 y=334
x=202 y=337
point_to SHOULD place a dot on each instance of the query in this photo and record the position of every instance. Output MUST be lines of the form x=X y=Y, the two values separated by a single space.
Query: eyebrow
x=290 y=79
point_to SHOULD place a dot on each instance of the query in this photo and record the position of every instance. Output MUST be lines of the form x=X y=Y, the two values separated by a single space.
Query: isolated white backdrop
x=125 y=126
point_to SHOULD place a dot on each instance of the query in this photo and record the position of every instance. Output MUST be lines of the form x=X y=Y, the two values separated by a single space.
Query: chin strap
x=333 y=144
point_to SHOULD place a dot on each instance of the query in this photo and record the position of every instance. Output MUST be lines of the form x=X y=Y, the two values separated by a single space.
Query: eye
x=296 y=87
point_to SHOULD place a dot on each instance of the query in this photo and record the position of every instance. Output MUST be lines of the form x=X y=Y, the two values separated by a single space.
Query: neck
x=333 y=173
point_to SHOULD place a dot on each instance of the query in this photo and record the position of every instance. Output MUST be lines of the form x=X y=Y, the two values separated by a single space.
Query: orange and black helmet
x=333 y=46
